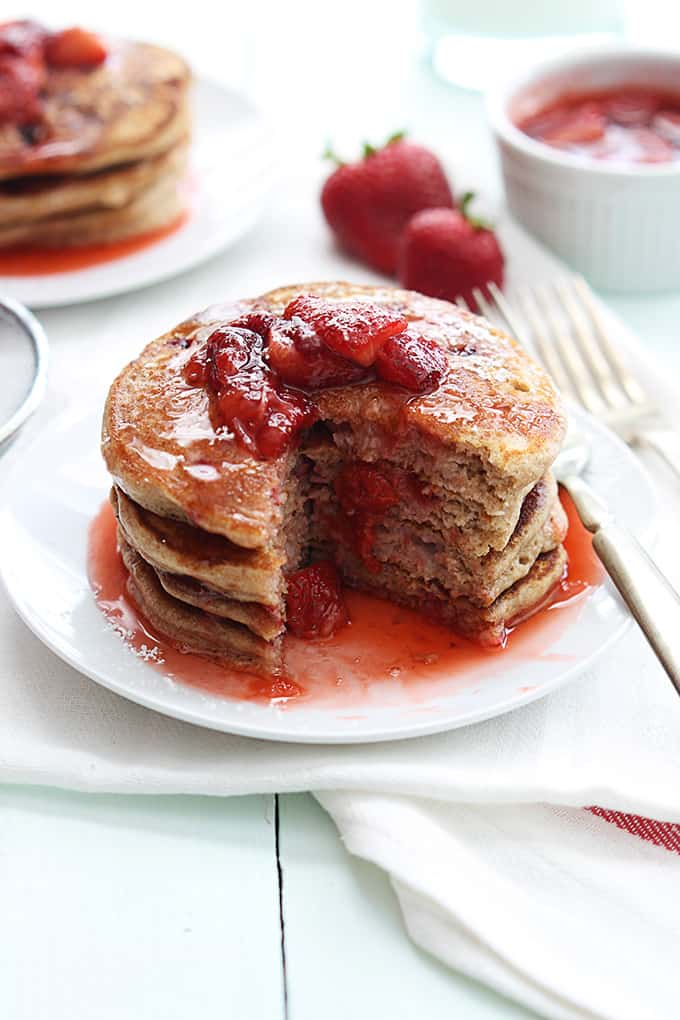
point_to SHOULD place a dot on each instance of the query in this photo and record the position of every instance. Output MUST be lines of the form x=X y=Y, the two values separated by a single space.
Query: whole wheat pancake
x=25 y=200
x=441 y=502
x=149 y=208
x=259 y=619
x=134 y=106
x=192 y=630
x=489 y=433
x=246 y=575
x=486 y=625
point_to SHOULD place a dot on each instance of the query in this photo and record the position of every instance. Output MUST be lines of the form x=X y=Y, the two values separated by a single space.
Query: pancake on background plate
x=265 y=452
x=94 y=136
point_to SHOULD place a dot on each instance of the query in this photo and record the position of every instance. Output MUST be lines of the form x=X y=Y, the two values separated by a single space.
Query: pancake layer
x=106 y=159
x=474 y=537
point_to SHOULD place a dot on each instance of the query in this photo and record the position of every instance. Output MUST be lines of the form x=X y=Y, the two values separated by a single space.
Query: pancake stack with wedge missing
x=94 y=136
x=402 y=440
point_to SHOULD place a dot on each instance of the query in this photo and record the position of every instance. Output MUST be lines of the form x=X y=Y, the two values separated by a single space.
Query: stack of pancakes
x=105 y=158
x=208 y=532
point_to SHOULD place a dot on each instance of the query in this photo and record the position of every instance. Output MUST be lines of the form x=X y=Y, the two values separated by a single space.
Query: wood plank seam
x=282 y=923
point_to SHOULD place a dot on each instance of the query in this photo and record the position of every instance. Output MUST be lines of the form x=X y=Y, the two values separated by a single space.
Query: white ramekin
x=618 y=224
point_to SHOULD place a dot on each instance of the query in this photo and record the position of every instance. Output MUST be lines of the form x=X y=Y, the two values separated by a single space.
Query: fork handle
x=665 y=443
x=648 y=594
x=651 y=600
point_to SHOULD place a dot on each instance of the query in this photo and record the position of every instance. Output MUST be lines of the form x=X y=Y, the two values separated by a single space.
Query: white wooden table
x=182 y=907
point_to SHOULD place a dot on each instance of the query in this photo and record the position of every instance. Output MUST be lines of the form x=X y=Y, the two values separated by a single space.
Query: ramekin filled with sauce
x=590 y=153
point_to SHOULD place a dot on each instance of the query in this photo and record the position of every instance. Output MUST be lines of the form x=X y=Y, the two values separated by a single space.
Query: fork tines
x=561 y=325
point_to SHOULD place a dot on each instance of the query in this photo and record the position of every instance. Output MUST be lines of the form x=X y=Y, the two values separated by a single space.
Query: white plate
x=232 y=174
x=60 y=482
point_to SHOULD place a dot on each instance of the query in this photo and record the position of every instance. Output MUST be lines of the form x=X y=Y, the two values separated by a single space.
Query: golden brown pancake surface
x=133 y=106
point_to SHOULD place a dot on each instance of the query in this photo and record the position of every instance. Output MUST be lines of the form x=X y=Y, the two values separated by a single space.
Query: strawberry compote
x=263 y=370
x=27 y=50
x=626 y=125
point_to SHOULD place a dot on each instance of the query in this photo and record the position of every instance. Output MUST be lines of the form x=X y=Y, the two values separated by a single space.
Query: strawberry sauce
x=384 y=645
x=629 y=125
x=25 y=260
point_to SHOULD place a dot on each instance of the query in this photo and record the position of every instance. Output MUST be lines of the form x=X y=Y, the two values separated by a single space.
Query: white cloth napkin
x=498 y=868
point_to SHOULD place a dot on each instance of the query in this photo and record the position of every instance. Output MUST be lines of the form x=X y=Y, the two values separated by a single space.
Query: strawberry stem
x=370 y=150
x=329 y=153
x=398 y=136
x=474 y=221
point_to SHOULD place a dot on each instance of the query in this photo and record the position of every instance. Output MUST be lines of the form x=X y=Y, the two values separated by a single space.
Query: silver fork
x=562 y=325
x=538 y=321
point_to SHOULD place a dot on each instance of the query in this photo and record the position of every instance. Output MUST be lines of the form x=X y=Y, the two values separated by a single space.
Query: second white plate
x=232 y=173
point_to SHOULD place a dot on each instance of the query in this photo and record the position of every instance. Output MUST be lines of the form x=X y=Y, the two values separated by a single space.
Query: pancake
x=486 y=435
x=134 y=106
x=419 y=533
x=259 y=619
x=486 y=625
x=192 y=630
x=25 y=200
x=442 y=502
x=246 y=575
x=157 y=204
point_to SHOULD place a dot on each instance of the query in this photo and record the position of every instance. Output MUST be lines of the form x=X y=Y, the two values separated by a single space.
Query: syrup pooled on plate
x=25 y=260
x=384 y=644
x=626 y=125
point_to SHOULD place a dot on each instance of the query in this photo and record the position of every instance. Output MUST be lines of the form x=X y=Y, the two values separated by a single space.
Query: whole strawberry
x=446 y=253
x=368 y=204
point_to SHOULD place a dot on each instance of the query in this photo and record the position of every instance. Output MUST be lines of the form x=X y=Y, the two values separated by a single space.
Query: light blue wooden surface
x=147 y=908
x=347 y=952
x=167 y=908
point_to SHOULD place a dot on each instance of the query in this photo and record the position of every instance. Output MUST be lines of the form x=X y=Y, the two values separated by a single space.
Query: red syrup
x=25 y=260
x=383 y=646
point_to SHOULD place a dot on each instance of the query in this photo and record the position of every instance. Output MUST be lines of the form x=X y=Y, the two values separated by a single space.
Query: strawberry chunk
x=412 y=361
x=365 y=494
x=75 y=47
x=20 y=84
x=233 y=351
x=314 y=603
x=631 y=108
x=300 y=359
x=584 y=124
x=196 y=368
x=22 y=71
x=22 y=38
x=651 y=147
x=288 y=413
x=360 y=486
x=667 y=124
x=356 y=330
x=567 y=126
x=265 y=417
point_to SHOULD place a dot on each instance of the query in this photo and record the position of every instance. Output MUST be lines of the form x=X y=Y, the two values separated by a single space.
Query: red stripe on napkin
x=665 y=834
